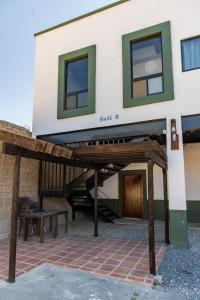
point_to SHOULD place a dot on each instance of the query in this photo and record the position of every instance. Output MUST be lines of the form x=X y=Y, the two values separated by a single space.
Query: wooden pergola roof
x=89 y=157
x=17 y=144
x=128 y=152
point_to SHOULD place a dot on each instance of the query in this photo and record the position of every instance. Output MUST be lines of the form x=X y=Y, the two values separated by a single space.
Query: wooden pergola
x=149 y=152
x=92 y=157
x=22 y=146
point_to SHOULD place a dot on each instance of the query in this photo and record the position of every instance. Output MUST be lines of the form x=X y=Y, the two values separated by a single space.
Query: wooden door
x=133 y=195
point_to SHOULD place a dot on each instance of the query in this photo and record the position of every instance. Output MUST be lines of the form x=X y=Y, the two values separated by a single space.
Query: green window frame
x=90 y=53
x=162 y=29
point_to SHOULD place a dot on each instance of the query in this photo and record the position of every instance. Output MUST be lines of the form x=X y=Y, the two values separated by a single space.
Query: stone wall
x=28 y=179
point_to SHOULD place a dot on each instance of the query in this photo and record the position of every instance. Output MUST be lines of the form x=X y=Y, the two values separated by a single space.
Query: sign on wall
x=108 y=118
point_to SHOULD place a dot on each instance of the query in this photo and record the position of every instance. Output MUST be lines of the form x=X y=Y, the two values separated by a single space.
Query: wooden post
x=152 y=263
x=41 y=229
x=13 y=233
x=64 y=177
x=40 y=184
x=96 y=204
x=166 y=206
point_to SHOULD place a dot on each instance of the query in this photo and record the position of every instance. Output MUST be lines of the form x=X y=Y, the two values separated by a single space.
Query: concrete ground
x=48 y=282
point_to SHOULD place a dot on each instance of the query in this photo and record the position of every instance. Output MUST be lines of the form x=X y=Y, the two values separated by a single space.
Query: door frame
x=121 y=189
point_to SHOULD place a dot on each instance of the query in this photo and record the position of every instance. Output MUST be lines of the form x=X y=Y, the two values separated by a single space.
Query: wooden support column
x=96 y=204
x=40 y=184
x=64 y=177
x=166 y=206
x=152 y=263
x=13 y=233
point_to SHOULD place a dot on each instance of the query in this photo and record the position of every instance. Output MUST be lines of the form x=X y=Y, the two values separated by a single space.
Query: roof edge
x=81 y=17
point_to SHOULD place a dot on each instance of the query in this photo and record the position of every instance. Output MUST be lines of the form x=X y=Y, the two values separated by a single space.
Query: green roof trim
x=82 y=16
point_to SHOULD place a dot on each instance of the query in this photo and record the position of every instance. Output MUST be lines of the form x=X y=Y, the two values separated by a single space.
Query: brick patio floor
x=122 y=259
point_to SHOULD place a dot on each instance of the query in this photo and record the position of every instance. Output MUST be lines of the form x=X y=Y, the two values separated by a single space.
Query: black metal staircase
x=76 y=185
x=79 y=192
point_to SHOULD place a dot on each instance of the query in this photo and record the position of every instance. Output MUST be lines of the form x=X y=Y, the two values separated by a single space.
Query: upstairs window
x=76 y=84
x=147 y=68
x=190 y=54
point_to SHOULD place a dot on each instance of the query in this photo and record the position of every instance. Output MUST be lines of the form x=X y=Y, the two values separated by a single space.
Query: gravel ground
x=125 y=229
x=181 y=269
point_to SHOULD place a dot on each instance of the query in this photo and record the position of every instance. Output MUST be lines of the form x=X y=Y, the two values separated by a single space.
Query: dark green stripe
x=178 y=228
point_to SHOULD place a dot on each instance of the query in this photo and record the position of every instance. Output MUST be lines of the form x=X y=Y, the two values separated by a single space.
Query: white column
x=176 y=189
x=176 y=171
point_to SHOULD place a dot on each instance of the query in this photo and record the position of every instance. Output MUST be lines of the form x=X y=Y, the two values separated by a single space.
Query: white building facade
x=127 y=71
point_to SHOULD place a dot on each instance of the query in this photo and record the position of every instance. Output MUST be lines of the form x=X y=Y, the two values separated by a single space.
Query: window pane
x=71 y=102
x=191 y=54
x=147 y=57
x=77 y=75
x=82 y=99
x=139 y=89
x=155 y=85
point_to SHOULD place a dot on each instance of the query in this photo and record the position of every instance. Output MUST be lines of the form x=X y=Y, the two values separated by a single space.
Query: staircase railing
x=54 y=177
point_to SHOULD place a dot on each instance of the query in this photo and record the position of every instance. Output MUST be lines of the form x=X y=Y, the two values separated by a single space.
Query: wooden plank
x=152 y=263
x=15 y=150
x=13 y=234
x=166 y=207
x=96 y=204
x=119 y=151
x=34 y=144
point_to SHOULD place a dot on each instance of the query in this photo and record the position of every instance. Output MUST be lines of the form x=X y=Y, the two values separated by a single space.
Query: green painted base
x=193 y=209
x=178 y=228
x=177 y=219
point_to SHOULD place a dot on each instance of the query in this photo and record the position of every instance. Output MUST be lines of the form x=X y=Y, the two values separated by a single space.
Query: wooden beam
x=166 y=207
x=152 y=263
x=34 y=144
x=96 y=204
x=119 y=151
x=15 y=150
x=152 y=155
x=13 y=234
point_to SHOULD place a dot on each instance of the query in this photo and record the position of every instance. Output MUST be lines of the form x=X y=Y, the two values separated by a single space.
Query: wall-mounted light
x=174 y=136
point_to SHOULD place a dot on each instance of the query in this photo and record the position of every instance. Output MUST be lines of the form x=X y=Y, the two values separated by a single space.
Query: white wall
x=192 y=176
x=105 y=29
x=192 y=171
x=111 y=190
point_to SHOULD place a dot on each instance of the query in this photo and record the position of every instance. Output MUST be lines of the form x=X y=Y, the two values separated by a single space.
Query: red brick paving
x=123 y=259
